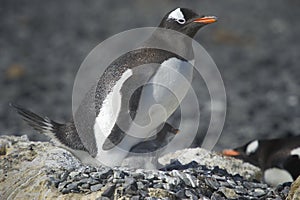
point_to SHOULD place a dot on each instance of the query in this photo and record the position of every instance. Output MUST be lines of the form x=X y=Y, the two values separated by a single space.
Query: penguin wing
x=292 y=165
x=130 y=92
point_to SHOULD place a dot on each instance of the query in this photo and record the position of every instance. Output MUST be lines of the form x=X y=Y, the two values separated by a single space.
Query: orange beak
x=206 y=20
x=230 y=152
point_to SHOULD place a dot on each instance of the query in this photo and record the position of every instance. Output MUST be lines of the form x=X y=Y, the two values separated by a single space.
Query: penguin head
x=185 y=21
x=248 y=152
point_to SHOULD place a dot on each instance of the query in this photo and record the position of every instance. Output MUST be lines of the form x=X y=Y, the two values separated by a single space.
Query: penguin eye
x=181 y=21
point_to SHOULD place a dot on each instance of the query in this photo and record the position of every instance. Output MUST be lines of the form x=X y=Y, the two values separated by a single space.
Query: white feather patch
x=296 y=152
x=252 y=147
x=276 y=176
x=110 y=109
x=162 y=96
x=176 y=14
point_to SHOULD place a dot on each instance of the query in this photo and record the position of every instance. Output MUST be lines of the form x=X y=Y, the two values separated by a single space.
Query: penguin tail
x=44 y=125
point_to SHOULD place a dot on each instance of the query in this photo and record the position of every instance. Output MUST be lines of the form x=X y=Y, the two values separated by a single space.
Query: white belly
x=161 y=97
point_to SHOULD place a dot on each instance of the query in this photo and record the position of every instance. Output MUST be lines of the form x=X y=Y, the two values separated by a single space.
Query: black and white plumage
x=147 y=153
x=163 y=137
x=107 y=132
x=278 y=158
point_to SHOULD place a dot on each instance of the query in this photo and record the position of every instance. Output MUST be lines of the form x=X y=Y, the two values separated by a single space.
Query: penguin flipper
x=113 y=139
x=117 y=135
x=291 y=164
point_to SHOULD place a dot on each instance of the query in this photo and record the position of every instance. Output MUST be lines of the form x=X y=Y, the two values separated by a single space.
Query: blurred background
x=255 y=44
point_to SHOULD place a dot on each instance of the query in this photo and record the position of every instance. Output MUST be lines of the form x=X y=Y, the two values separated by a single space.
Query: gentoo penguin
x=278 y=158
x=124 y=114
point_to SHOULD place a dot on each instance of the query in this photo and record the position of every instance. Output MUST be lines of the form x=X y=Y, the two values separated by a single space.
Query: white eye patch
x=177 y=15
x=252 y=147
x=296 y=152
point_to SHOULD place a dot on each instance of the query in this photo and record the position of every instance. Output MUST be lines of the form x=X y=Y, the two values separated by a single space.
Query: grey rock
x=231 y=182
x=65 y=191
x=140 y=185
x=91 y=181
x=172 y=180
x=138 y=175
x=85 y=186
x=62 y=185
x=212 y=182
x=103 y=198
x=228 y=193
x=180 y=194
x=219 y=178
x=72 y=187
x=191 y=195
x=117 y=181
x=240 y=190
x=64 y=176
x=109 y=191
x=135 y=198
x=166 y=186
x=130 y=185
x=151 y=198
x=258 y=192
x=158 y=185
x=96 y=187
x=74 y=174
x=217 y=196
x=119 y=174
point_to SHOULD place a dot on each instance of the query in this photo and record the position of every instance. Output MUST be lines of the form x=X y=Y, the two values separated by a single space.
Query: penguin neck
x=171 y=41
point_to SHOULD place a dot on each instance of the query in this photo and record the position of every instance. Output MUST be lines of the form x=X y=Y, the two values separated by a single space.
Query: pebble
x=180 y=194
x=231 y=182
x=138 y=175
x=135 y=198
x=189 y=183
x=140 y=185
x=258 y=192
x=91 y=181
x=217 y=196
x=229 y=193
x=72 y=187
x=191 y=195
x=117 y=181
x=89 y=169
x=64 y=176
x=172 y=180
x=109 y=191
x=95 y=188
x=212 y=182
x=103 y=198
x=131 y=189
x=219 y=178
x=240 y=190
x=73 y=174
x=85 y=186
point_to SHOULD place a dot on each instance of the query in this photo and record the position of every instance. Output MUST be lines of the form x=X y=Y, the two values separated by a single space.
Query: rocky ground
x=38 y=170
x=255 y=45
